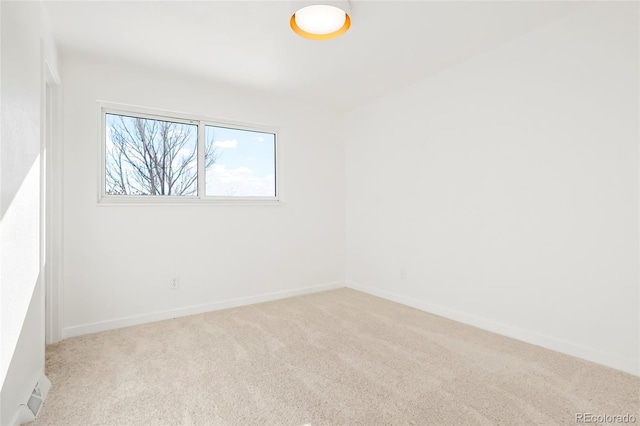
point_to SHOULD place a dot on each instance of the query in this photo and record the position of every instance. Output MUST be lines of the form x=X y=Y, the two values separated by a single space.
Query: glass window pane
x=240 y=163
x=150 y=157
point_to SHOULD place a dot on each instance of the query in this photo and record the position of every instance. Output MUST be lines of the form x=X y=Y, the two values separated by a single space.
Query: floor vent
x=35 y=401
x=29 y=411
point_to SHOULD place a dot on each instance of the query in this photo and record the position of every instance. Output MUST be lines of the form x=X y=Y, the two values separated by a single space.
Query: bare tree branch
x=152 y=157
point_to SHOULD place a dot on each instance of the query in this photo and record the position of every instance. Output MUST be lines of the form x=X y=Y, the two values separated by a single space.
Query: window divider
x=202 y=143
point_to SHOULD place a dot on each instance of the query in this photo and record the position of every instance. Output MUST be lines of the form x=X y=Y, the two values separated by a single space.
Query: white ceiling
x=250 y=44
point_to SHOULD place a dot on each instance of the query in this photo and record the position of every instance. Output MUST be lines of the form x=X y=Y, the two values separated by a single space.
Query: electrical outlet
x=403 y=274
x=174 y=284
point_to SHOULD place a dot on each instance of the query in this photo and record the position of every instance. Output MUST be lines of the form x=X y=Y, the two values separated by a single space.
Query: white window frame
x=105 y=108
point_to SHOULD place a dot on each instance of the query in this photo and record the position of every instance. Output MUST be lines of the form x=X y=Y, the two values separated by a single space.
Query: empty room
x=319 y=212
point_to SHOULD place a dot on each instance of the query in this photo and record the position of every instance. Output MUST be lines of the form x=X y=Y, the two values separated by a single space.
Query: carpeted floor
x=335 y=358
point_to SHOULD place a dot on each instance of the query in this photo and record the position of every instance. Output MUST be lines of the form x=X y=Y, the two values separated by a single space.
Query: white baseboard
x=95 y=327
x=628 y=365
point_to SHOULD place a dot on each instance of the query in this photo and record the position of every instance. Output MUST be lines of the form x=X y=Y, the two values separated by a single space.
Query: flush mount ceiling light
x=320 y=20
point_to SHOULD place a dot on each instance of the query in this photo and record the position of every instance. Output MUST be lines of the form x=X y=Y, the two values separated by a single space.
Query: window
x=148 y=156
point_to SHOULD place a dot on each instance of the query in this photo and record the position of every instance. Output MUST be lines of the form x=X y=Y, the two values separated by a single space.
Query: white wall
x=25 y=42
x=120 y=259
x=507 y=189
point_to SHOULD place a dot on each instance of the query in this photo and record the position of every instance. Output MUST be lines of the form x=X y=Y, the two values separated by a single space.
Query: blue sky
x=245 y=163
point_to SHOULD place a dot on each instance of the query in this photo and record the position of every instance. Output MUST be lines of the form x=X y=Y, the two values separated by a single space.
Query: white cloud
x=109 y=141
x=260 y=139
x=240 y=181
x=231 y=143
x=184 y=153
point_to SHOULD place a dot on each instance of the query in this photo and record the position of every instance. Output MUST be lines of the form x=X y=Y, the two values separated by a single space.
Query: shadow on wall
x=20 y=251
x=18 y=158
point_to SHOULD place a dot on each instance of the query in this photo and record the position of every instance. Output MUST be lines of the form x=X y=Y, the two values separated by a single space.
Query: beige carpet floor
x=334 y=358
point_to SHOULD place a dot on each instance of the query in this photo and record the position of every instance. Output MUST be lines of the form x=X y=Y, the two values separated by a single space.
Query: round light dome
x=320 y=22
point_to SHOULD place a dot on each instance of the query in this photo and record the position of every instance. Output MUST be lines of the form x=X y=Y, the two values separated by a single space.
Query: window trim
x=105 y=108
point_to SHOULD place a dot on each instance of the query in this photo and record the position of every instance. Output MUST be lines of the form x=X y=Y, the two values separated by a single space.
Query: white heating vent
x=30 y=410
x=35 y=401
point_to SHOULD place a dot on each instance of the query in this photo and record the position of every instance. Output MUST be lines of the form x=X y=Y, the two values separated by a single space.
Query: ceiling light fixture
x=320 y=20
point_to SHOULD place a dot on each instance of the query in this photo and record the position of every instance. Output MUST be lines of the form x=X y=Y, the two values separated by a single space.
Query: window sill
x=186 y=201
